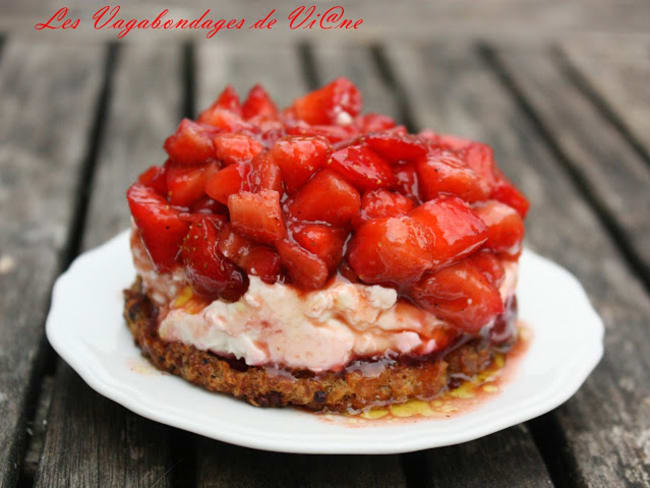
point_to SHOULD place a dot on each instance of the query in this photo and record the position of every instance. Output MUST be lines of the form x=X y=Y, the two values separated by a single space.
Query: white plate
x=85 y=326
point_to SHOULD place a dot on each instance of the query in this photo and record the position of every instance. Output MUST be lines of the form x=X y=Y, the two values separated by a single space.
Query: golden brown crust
x=334 y=391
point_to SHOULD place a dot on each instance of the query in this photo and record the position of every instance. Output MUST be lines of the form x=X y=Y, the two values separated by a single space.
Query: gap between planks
x=618 y=234
x=39 y=393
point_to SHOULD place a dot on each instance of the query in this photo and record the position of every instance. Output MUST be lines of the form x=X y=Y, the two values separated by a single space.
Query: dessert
x=319 y=257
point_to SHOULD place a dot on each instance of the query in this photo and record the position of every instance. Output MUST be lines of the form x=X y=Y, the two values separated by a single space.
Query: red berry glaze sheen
x=300 y=194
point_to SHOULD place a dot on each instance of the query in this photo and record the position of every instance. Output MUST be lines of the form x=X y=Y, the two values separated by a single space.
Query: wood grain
x=617 y=71
x=222 y=466
x=42 y=143
x=605 y=164
x=92 y=441
x=504 y=459
x=606 y=423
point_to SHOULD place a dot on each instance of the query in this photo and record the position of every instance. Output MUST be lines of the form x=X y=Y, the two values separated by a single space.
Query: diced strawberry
x=210 y=273
x=443 y=172
x=362 y=167
x=394 y=146
x=507 y=193
x=256 y=259
x=505 y=228
x=326 y=105
x=155 y=178
x=161 y=228
x=259 y=104
x=456 y=230
x=190 y=144
x=206 y=205
x=265 y=174
x=460 y=294
x=186 y=184
x=224 y=120
x=480 y=158
x=229 y=180
x=299 y=158
x=430 y=137
x=321 y=240
x=393 y=250
x=333 y=133
x=233 y=245
x=236 y=148
x=407 y=181
x=348 y=273
x=447 y=142
x=192 y=218
x=450 y=141
x=373 y=123
x=264 y=262
x=257 y=215
x=305 y=269
x=328 y=198
x=229 y=100
x=381 y=203
x=488 y=264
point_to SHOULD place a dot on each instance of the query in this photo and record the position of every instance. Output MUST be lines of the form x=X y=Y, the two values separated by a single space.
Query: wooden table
x=570 y=124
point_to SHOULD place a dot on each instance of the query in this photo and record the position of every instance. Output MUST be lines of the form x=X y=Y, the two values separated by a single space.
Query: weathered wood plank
x=48 y=95
x=504 y=459
x=92 y=441
x=357 y=63
x=608 y=167
x=607 y=422
x=617 y=71
x=222 y=466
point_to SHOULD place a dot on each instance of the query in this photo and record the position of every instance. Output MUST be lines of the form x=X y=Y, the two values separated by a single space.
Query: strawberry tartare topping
x=318 y=193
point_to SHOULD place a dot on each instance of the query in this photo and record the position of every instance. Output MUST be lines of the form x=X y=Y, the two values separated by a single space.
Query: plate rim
x=100 y=381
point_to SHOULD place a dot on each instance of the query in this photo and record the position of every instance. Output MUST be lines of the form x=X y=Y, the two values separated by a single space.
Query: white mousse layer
x=318 y=330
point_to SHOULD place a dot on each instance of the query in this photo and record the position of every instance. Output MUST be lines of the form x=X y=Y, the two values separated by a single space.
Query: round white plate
x=85 y=326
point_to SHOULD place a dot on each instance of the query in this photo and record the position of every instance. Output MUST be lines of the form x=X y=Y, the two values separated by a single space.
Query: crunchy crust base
x=333 y=391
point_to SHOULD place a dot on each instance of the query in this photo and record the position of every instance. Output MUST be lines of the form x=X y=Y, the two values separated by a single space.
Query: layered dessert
x=320 y=257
